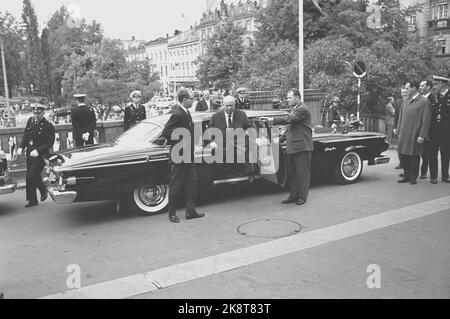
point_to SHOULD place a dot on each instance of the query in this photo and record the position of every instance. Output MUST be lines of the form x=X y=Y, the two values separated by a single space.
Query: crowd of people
x=421 y=122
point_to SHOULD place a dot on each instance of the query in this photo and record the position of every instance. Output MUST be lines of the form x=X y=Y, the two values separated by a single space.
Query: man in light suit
x=299 y=148
x=231 y=118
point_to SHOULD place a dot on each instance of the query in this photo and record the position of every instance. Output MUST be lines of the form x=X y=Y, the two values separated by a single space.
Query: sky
x=122 y=19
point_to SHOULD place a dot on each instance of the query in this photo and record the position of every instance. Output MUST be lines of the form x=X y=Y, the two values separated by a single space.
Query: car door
x=268 y=149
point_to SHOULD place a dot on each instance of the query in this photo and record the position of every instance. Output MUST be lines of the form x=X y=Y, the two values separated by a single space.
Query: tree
x=274 y=67
x=33 y=68
x=223 y=58
x=46 y=63
x=13 y=46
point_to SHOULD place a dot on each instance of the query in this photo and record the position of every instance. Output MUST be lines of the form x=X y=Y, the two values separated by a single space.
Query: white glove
x=213 y=145
x=85 y=136
x=34 y=153
x=19 y=151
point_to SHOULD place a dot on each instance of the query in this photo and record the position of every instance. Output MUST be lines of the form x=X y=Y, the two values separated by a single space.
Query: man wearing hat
x=440 y=130
x=333 y=113
x=83 y=122
x=38 y=139
x=241 y=102
x=135 y=111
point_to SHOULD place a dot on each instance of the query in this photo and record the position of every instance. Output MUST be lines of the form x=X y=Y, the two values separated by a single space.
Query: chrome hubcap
x=350 y=166
x=152 y=195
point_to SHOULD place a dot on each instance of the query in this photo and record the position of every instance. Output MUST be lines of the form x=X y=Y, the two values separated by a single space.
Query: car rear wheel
x=348 y=169
x=149 y=199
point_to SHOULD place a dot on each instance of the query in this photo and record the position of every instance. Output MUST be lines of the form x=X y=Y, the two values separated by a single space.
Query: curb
x=21 y=186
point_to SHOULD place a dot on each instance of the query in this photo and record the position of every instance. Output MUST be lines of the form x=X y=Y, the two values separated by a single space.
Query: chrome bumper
x=66 y=197
x=9 y=187
x=382 y=160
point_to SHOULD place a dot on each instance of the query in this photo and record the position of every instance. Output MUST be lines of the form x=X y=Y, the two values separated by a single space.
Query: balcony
x=439 y=24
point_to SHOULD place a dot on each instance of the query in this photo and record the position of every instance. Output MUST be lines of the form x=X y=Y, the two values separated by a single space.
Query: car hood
x=109 y=154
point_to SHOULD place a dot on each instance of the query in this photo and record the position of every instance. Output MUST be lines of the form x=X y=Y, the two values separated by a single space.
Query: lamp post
x=300 y=50
x=5 y=79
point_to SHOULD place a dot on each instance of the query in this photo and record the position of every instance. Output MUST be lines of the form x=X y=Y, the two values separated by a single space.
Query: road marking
x=175 y=274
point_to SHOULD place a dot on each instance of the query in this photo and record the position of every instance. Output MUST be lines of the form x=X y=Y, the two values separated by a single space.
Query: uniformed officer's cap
x=136 y=93
x=241 y=90
x=441 y=79
x=37 y=106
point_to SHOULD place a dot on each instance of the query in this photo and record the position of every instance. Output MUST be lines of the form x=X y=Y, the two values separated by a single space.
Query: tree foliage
x=13 y=46
x=223 y=58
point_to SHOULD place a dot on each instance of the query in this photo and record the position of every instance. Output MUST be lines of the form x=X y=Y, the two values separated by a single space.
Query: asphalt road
x=37 y=245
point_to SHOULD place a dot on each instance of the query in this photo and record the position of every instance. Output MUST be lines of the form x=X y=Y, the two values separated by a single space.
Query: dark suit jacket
x=201 y=106
x=133 y=115
x=240 y=120
x=42 y=136
x=245 y=104
x=299 y=130
x=83 y=121
x=179 y=119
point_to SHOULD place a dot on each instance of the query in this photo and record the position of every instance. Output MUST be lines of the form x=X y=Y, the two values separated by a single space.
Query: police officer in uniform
x=83 y=122
x=440 y=130
x=134 y=111
x=38 y=139
x=241 y=102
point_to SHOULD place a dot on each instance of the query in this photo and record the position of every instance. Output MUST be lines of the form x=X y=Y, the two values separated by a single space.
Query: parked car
x=134 y=169
x=7 y=184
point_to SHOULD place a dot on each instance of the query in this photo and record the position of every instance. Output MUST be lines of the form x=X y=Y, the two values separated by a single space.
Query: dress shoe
x=251 y=179
x=174 y=219
x=194 y=215
x=433 y=181
x=44 y=197
x=300 y=202
x=30 y=204
x=398 y=167
x=413 y=182
x=423 y=176
x=403 y=180
x=446 y=180
x=288 y=201
x=401 y=175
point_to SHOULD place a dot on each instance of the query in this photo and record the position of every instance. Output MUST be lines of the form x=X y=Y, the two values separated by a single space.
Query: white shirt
x=427 y=95
x=445 y=92
x=414 y=97
x=183 y=108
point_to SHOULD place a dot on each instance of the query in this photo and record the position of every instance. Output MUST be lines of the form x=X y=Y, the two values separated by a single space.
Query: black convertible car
x=7 y=184
x=134 y=169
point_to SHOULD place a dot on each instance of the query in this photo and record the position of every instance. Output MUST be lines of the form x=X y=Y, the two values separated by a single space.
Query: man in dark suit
x=183 y=175
x=134 y=111
x=38 y=139
x=425 y=89
x=440 y=130
x=83 y=122
x=242 y=102
x=231 y=118
x=299 y=148
x=203 y=104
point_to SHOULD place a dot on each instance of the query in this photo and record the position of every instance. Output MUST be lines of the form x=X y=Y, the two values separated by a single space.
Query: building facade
x=183 y=52
x=157 y=53
x=242 y=14
x=433 y=21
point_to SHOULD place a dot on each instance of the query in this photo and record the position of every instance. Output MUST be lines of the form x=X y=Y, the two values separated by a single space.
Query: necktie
x=190 y=117
x=230 y=124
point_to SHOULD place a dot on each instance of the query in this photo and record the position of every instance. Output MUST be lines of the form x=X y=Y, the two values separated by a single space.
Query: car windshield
x=142 y=133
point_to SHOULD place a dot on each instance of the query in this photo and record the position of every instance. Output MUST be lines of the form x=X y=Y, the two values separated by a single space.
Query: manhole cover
x=269 y=228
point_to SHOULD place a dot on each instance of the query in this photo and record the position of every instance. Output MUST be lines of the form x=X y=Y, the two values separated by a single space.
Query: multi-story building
x=157 y=52
x=241 y=13
x=432 y=20
x=183 y=51
x=136 y=55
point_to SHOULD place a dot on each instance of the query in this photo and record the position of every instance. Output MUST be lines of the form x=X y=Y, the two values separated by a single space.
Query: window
x=441 y=46
x=439 y=11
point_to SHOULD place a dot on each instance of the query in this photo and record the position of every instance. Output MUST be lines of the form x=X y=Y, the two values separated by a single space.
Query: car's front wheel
x=349 y=168
x=149 y=199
